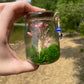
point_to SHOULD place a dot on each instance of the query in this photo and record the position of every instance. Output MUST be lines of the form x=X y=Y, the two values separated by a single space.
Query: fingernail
x=43 y=9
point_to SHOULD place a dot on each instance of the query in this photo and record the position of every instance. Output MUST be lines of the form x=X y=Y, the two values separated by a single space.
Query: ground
x=69 y=69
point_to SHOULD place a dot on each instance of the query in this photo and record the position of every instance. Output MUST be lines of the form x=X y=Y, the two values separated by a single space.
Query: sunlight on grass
x=18 y=34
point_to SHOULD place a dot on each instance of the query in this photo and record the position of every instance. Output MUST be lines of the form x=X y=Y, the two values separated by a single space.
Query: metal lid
x=40 y=14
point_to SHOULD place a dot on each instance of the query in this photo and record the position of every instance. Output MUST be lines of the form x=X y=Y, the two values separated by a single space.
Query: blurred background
x=71 y=14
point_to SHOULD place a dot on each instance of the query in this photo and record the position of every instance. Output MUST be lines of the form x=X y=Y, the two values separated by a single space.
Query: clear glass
x=41 y=39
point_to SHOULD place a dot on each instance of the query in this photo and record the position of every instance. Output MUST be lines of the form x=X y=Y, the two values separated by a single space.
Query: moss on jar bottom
x=46 y=55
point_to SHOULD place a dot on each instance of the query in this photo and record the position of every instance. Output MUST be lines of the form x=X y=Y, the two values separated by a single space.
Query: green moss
x=81 y=50
x=46 y=56
x=31 y=52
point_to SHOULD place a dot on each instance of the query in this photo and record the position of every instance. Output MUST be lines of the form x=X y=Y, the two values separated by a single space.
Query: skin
x=9 y=61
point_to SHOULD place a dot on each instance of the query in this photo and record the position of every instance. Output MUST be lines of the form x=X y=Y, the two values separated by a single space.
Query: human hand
x=10 y=13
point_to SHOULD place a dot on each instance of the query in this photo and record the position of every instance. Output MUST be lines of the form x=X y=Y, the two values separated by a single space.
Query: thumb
x=29 y=66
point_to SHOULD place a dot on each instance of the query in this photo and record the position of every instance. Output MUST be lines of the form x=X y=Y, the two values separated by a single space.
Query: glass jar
x=41 y=38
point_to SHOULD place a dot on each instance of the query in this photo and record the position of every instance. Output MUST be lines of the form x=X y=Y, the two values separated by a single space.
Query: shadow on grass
x=74 y=52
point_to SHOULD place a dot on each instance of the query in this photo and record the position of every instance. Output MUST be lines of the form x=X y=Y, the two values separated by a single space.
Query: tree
x=47 y=4
x=6 y=0
x=69 y=1
x=70 y=15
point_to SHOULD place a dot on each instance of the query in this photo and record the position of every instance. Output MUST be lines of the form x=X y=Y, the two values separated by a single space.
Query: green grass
x=17 y=34
x=81 y=50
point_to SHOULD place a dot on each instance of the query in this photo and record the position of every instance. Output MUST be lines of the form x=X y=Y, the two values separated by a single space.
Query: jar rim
x=48 y=11
x=40 y=14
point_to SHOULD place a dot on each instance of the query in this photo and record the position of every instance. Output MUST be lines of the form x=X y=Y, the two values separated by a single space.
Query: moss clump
x=81 y=50
x=46 y=56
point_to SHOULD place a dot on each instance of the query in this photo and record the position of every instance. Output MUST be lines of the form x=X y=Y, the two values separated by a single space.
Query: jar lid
x=40 y=14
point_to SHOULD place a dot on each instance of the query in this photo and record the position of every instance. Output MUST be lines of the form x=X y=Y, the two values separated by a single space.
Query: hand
x=10 y=13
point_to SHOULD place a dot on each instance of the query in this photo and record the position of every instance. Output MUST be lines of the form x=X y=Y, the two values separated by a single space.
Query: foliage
x=7 y=0
x=70 y=15
x=68 y=1
x=47 y=4
x=81 y=50
x=22 y=20
x=82 y=28
x=70 y=12
x=47 y=55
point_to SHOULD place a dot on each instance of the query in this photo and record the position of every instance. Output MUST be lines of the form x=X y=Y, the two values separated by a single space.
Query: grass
x=81 y=50
x=18 y=34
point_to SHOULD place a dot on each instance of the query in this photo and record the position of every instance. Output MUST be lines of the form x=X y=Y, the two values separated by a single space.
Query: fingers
x=10 y=12
x=26 y=7
x=1 y=6
x=38 y=9
x=22 y=7
x=15 y=10
x=16 y=67
x=19 y=65
x=23 y=66
x=29 y=66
